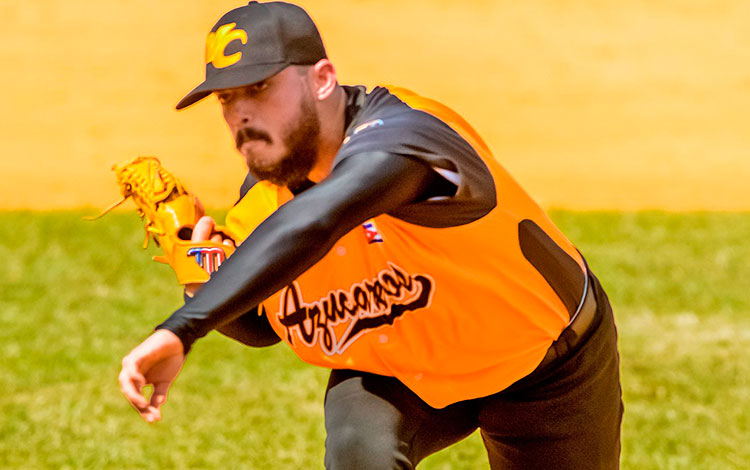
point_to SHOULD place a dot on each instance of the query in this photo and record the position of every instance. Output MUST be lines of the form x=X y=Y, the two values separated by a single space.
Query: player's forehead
x=278 y=79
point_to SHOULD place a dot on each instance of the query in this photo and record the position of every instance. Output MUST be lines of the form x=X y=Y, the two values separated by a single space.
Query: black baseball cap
x=254 y=42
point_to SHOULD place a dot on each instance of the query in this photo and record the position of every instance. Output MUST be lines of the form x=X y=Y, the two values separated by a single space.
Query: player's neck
x=332 y=117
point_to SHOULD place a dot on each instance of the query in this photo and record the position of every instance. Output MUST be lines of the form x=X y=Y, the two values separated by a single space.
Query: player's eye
x=224 y=97
x=256 y=88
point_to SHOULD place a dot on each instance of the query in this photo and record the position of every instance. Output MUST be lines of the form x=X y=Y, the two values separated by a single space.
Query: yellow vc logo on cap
x=217 y=41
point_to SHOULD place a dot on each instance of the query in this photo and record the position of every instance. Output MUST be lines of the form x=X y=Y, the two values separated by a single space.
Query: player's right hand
x=156 y=361
x=204 y=230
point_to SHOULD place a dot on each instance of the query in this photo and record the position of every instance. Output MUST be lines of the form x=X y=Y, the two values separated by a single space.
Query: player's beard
x=300 y=140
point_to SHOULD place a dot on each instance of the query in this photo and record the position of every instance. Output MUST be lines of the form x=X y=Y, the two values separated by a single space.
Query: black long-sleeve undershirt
x=250 y=329
x=300 y=233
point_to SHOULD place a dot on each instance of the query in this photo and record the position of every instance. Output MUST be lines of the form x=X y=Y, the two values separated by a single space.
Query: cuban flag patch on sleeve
x=371 y=232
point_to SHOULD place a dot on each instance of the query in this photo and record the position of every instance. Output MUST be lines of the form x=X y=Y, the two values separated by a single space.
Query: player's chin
x=262 y=161
x=257 y=149
x=265 y=169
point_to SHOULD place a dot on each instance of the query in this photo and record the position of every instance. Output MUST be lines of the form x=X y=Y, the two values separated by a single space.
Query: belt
x=578 y=330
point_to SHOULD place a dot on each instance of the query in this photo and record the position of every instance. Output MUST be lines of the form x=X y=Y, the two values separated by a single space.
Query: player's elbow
x=321 y=229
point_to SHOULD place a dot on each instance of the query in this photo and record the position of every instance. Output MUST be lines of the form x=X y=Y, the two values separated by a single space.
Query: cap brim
x=230 y=79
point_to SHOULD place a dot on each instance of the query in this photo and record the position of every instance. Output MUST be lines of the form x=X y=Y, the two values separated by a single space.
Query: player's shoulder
x=400 y=122
x=389 y=108
x=380 y=119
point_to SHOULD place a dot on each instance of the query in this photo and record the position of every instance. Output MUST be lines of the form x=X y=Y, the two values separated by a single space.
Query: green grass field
x=75 y=297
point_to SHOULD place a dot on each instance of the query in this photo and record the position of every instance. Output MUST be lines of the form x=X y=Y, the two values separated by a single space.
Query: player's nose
x=239 y=113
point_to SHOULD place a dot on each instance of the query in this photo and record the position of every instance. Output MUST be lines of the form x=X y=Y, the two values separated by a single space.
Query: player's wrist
x=190 y=290
x=179 y=339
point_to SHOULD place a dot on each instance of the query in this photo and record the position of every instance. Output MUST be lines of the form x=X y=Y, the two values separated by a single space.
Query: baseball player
x=381 y=239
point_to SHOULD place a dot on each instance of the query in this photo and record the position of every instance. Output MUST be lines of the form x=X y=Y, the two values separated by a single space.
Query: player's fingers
x=228 y=241
x=203 y=228
x=131 y=388
x=152 y=414
x=160 y=394
x=131 y=384
x=216 y=238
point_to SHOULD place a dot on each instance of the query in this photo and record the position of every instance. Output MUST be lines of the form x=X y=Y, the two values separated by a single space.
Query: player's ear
x=324 y=79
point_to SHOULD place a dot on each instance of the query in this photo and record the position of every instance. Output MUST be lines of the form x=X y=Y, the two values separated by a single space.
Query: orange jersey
x=457 y=298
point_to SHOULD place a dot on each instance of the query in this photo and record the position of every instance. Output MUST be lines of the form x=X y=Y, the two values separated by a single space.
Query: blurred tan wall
x=597 y=104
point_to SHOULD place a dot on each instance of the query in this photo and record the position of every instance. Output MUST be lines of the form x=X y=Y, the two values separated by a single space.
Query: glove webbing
x=149 y=187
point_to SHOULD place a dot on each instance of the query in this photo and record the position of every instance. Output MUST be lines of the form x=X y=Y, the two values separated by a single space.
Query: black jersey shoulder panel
x=381 y=122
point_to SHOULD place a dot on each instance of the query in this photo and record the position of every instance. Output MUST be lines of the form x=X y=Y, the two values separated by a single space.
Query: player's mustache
x=248 y=133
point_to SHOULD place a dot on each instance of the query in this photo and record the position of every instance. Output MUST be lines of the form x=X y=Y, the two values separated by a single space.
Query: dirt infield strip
x=597 y=105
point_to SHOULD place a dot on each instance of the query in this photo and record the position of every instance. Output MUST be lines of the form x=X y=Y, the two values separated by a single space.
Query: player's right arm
x=251 y=329
x=286 y=244
x=299 y=234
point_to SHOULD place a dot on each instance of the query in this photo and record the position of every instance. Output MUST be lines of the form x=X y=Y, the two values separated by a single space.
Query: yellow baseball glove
x=169 y=211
